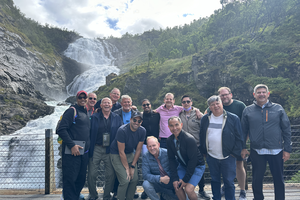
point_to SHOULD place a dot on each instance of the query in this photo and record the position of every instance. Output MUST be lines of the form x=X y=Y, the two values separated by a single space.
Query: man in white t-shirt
x=221 y=141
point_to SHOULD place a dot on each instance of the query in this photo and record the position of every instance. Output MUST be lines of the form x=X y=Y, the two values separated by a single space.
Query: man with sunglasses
x=191 y=124
x=92 y=99
x=129 y=137
x=186 y=162
x=75 y=156
x=151 y=124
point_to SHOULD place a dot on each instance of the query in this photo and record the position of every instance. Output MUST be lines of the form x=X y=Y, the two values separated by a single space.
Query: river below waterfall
x=18 y=168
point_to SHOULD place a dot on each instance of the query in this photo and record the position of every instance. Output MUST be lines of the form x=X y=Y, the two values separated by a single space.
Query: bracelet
x=132 y=166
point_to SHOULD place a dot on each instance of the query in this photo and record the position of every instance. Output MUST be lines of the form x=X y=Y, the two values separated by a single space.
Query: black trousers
x=74 y=175
x=259 y=163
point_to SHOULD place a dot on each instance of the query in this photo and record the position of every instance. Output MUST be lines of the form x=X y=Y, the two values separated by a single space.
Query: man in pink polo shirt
x=166 y=111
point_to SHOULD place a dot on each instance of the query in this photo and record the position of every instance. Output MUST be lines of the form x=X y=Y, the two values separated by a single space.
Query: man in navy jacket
x=221 y=141
x=103 y=123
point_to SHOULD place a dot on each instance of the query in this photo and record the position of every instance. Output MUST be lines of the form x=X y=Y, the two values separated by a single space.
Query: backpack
x=59 y=140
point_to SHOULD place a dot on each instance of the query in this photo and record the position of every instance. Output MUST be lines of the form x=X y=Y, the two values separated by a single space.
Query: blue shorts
x=199 y=170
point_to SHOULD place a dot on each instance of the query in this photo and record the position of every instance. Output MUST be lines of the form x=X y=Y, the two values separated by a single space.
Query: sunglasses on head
x=135 y=120
x=183 y=102
x=81 y=97
x=146 y=104
x=90 y=98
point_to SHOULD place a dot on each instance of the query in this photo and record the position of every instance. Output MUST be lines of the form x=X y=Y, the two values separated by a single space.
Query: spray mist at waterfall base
x=22 y=159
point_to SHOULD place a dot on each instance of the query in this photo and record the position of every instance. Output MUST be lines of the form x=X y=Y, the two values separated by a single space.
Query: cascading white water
x=18 y=171
x=97 y=54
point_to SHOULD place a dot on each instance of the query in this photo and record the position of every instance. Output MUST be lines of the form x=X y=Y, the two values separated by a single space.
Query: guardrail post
x=49 y=162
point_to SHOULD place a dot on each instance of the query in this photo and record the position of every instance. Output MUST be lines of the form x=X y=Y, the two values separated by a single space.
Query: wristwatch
x=132 y=166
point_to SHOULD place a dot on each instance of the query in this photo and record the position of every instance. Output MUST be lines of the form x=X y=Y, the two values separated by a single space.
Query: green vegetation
x=45 y=39
x=241 y=45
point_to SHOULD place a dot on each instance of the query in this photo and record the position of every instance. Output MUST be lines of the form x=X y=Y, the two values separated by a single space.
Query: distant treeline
x=47 y=39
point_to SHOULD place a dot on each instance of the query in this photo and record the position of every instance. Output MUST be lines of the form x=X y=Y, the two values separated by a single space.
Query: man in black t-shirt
x=129 y=137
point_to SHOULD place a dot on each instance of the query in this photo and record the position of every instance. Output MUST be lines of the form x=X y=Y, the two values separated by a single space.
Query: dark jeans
x=259 y=163
x=74 y=174
x=226 y=167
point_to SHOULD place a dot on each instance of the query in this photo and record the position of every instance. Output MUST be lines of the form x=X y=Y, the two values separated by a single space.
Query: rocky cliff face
x=29 y=66
x=27 y=78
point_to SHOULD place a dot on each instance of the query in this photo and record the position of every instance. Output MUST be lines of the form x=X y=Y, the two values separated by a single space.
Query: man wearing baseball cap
x=74 y=130
x=129 y=137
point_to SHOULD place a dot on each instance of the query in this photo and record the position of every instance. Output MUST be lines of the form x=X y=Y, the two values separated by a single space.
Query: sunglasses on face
x=146 y=105
x=135 y=120
x=80 y=97
x=92 y=98
x=183 y=102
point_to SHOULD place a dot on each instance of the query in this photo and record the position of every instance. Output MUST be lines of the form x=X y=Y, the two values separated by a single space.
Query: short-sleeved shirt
x=130 y=138
x=165 y=114
x=236 y=107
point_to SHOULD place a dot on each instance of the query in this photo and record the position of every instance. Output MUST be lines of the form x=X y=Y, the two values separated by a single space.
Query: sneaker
x=243 y=195
x=203 y=195
x=144 y=195
x=222 y=191
x=136 y=195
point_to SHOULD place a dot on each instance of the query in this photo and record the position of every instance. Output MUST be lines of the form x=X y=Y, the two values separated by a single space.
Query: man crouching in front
x=186 y=162
x=129 y=137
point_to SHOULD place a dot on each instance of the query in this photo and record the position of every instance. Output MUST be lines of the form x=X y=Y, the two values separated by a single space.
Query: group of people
x=174 y=142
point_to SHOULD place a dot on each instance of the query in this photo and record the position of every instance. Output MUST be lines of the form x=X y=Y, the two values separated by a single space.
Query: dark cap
x=81 y=92
x=137 y=114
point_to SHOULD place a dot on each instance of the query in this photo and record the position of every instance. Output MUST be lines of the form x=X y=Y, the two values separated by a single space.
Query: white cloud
x=89 y=17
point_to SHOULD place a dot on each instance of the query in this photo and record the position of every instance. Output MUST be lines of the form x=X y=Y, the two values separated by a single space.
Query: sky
x=102 y=18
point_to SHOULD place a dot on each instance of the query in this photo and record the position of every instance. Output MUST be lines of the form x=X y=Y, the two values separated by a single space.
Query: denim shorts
x=199 y=170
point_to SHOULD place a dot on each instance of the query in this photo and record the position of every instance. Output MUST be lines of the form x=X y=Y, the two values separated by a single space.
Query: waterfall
x=18 y=168
x=99 y=55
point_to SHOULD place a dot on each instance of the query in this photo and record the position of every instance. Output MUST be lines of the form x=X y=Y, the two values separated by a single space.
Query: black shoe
x=114 y=197
x=136 y=195
x=203 y=195
x=144 y=195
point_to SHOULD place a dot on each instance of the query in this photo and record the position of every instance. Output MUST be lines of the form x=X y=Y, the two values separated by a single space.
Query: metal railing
x=34 y=162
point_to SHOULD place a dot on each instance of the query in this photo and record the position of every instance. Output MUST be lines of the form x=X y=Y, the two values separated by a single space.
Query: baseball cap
x=137 y=114
x=80 y=92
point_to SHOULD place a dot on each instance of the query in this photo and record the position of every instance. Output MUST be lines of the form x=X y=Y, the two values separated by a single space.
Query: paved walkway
x=292 y=193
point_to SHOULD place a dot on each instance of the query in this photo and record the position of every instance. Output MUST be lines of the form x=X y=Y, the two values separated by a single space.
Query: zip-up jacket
x=150 y=166
x=80 y=130
x=268 y=127
x=189 y=153
x=191 y=125
x=115 y=123
x=232 y=136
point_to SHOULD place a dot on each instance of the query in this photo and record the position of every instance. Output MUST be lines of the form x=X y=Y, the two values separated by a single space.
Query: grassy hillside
x=240 y=46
